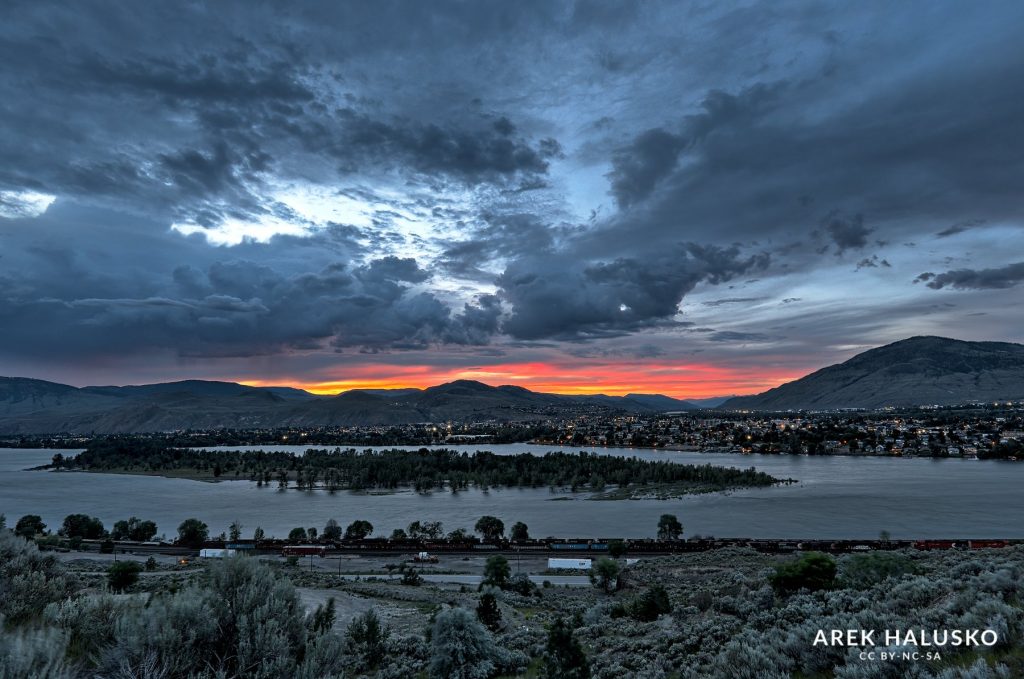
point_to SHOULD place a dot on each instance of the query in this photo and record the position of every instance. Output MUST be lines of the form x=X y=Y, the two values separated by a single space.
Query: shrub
x=861 y=571
x=564 y=657
x=123 y=574
x=522 y=585
x=411 y=577
x=488 y=612
x=605 y=575
x=649 y=605
x=29 y=580
x=461 y=648
x=368 y=639
x=33 y=653
x=497 y=571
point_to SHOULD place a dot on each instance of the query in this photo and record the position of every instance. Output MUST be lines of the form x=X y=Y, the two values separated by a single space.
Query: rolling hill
x=29 y=406
x=913 y=372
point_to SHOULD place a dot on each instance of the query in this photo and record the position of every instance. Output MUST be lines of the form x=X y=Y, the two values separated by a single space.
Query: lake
x=836 y=497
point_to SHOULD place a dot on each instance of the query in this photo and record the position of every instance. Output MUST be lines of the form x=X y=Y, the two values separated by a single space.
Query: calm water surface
x=836 y=497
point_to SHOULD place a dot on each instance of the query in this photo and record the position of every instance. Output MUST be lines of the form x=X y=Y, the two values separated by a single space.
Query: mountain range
x=913 y=372
x=29 y=406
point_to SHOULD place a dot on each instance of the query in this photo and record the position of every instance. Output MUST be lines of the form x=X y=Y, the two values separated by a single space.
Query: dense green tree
x=30 y=526
x=322 y=619
x=358 y=530
x=812 y=571
x=368 y=638
x=133 y=529
x=497 y=571
x=520 y=532
x=123 y=574
x=669 y=527
x=235 y=531
x=488 y=612
x=82 y=526
x=258 y=534
x=193 y=533
x=616 y=548
x=491 y=528
x=564 y=657
x=399 y=534
x=652 y=603
x=459 y=535
x=332 y=530
x=605 y=575
x=297 y=534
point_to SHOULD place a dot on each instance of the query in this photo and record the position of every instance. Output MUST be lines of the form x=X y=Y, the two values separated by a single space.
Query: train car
x=987 y=544
x=570 y=546
x=936 y=544
x=304 y=550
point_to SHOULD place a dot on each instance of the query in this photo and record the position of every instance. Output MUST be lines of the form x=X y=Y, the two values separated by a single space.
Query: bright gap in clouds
x=15 y=204
x=292 y=211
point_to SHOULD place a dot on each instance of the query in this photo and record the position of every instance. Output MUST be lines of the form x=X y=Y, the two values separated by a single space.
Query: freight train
x=591 y=546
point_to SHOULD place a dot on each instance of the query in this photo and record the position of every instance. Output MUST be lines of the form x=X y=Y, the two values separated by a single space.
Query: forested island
x=424 y=470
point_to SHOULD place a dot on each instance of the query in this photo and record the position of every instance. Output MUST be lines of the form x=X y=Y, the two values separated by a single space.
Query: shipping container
x=575 y=564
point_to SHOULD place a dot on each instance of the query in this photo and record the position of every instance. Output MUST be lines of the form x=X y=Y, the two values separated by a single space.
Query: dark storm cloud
x=960 y=227
x=848 y=233
x=873 y=262
x=240 y=308
x=469 y=130
x=553 y=297
x=975 y=279
x=487 y=153
x=841 y=152
x=637 y=168
x=733 y=300
x=193 y=125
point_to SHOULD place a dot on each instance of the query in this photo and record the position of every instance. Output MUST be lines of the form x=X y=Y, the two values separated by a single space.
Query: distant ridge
x=912 y=372
x=29 y=406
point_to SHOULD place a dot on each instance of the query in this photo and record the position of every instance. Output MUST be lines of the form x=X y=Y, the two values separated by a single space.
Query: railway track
x=589 y=546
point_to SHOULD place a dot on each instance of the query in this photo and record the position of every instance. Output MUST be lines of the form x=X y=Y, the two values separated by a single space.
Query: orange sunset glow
x=680 y=380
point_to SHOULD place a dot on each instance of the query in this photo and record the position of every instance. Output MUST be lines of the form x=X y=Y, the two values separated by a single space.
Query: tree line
x=423 y=469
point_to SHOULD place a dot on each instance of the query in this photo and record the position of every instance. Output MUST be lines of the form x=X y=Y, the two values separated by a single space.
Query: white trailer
x=573 y=564
x=216 y=553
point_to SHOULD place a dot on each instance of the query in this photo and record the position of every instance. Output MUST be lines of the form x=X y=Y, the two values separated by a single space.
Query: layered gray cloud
x=243 y=180
x=976 y=279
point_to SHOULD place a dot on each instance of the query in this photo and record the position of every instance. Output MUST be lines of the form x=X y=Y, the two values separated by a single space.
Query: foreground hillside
x=912 y=372
x=729 y=614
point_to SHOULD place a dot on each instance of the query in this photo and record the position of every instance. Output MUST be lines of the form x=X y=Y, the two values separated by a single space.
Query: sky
x=691 y=198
